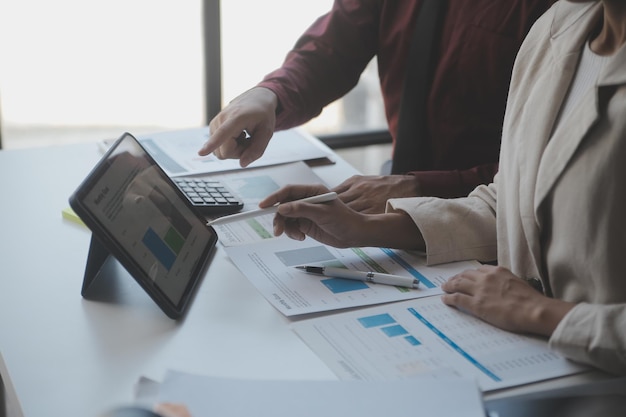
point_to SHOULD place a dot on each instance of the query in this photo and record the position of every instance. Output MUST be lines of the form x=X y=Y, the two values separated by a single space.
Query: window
x=78 y=71
x=83 y=71
x=253 y=47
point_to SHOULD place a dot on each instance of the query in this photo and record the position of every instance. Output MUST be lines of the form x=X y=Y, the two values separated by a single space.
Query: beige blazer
x=557 y=209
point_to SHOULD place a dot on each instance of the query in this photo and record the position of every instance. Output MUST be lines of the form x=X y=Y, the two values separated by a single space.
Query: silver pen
x=321 y=198
x=373 y=277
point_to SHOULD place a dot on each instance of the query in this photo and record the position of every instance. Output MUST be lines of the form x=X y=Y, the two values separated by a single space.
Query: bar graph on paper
x=425 y=337
x=269 y=265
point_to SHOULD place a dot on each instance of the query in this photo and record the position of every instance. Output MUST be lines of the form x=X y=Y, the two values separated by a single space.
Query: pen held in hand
x=372 y=277
x=321 y=198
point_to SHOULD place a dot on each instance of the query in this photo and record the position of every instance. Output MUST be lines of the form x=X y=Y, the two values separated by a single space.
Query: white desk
x=68 y=356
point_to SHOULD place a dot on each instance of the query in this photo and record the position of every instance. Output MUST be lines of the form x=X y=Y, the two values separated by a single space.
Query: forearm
x=454 y=183
x=542 y=318
x=393 y=230
x=325 y=63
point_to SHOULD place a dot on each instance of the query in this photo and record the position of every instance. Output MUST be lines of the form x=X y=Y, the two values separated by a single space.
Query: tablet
x=137 y=213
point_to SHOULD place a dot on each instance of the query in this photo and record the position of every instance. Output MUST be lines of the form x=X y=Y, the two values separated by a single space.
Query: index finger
x=461 y=282
x=227 y=130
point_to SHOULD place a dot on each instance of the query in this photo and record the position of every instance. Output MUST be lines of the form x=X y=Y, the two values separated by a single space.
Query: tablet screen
x=139 y=210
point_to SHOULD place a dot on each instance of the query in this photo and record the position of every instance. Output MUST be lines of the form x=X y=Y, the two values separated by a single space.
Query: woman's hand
x=495 y=295
x=332 y=223
x=335 y=224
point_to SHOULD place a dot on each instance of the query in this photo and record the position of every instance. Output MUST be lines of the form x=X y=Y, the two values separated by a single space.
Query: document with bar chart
x=270 y=266
x=427 y=338
x=253 y=185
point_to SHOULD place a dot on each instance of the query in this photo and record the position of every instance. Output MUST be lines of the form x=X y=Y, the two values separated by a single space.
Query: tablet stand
x=100 y=281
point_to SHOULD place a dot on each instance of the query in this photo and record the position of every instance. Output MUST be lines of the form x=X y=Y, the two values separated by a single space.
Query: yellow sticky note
x=69 y=214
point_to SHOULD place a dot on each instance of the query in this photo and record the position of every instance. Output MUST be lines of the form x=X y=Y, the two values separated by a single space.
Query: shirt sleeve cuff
x=448 y=233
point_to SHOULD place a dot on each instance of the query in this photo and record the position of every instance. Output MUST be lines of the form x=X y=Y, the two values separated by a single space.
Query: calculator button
x=209 y=196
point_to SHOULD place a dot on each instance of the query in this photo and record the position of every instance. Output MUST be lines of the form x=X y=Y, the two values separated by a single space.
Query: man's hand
x=253 y=112
x=369 y=194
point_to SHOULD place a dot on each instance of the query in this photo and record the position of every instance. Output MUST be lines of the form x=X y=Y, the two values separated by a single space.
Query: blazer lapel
x=566 y=48
x=564 y=142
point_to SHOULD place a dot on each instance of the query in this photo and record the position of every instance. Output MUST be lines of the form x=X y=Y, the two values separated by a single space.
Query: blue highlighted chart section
x=159 y=248
x=386 y=324
x=393 y=331
x=339 y=285
x=377 y=320
x=455 y=346
x=165 y=248
x=414 y=272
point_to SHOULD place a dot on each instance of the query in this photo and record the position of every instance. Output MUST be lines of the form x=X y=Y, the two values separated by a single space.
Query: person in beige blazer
x=554 y=217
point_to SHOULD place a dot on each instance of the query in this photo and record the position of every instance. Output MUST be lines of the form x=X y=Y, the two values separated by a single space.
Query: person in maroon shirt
x=477 y=45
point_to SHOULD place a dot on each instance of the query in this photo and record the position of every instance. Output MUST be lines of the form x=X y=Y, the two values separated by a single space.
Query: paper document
x=253 y=185
x=270 y=267
x=177 y=151
x=209 y=396
x=425 y=337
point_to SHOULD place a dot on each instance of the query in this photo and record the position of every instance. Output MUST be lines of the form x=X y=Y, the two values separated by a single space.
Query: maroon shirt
x=479 y=42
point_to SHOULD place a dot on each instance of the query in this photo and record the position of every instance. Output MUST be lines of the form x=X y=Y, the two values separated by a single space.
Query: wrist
x=269 y=97
x=412 y=184
x=546 y=316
